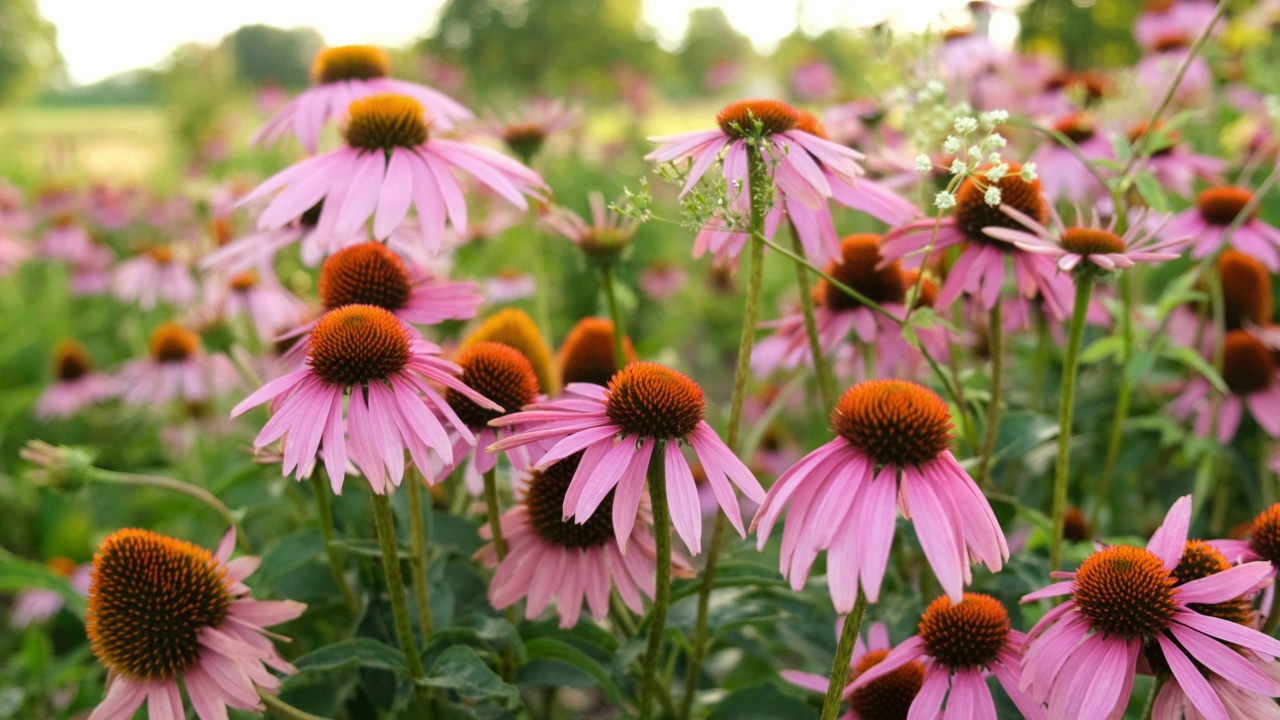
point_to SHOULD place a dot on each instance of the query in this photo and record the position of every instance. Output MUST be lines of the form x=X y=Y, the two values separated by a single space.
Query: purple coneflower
x=526 y=129
x=605 y=236
x=75 y=383
x=1216 y=209
x=177 y=368
x=1252 y=376
x=889 y=696
x=155 y=274
x=1062 y=175
x=1176 y=167
x=36 y=605
x=1088 y=243
x=258 y=296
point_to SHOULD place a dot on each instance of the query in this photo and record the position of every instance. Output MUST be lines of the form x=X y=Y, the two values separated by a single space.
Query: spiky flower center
x=1246 y=289
x=970 y=633
x=171 y=342
x=809 y=123
x=1221 y=205
x=928 y=290
x=513 y=327
x=161 y=254
x=1247 y=364
x=973 y=213
x=357 y=344
x=1078 y=127
x=1171 y=41
x=544 y=503
x=524 y=138
x=888 y=697
x=244 y=281
x=149 y=598
x=1125 y=592
x=71 y=360
x=604 y=241
x=350 y=62
x=386 y=121
x=365 y=274
x=588 y=354
x=1075 y=527
x=498 y=372
x=1090 y=241
x=1200 y=560
x=738 y=119
x=654 y=401
x=1264 y=536
x=856 y=268
x=897 y=423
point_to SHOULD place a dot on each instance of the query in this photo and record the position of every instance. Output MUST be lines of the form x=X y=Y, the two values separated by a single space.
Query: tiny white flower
x=935 y=87
x=944 y=200
x=997 y=117
x=992 y=196
x=995 y=140
x=966 y=125
x=959 y=167
x=1028 y=172
x=997 y=173
x=923 y=163
x=975 y=152
x=951 y=145
x=994 y=158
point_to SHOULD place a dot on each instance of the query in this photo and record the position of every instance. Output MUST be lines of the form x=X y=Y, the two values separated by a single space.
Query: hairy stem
x=324 y=512
x=418 y=560
x=662 y=595
x=111 y=477
x=1066 y=408
x=826 y=380
x=995 y=345
x=384 y=523
x=844 y=653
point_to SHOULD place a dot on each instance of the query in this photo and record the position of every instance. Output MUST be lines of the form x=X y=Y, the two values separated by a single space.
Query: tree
x=28 y=49
x=265 y=54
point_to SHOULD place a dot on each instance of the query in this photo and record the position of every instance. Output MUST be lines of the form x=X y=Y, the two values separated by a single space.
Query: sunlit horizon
x=99 y=40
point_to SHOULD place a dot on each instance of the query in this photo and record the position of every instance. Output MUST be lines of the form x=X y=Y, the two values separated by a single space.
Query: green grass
x=121 y=144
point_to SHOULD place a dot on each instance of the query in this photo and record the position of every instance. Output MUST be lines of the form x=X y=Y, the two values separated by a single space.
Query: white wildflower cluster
x=976 y=147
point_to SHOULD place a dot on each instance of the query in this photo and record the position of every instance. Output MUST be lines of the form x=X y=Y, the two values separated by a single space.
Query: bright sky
x=99 y=38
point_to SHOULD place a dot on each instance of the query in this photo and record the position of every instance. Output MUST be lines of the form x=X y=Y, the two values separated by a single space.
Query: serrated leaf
x=362 y=651
x=551 y=649
x=461 y=670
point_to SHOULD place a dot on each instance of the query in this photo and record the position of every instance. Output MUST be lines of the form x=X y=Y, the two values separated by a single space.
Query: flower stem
x=111 y=477
x=1123 y=398
x=1066 y=407
x=662 y=594
x=495 y=517
x=826 y=381
x=1273 y=620
x=844 y=653
x=418 y=559
x=615 y=313
x=283 y=710
x=384 y=523
x=757 y=177
x=995 y=345
x=1151 y=699
x=324 y=511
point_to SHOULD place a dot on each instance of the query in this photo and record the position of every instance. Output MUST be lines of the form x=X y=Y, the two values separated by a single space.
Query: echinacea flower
x=1176 y=167
x=509 y=285
x=1160 y=19
x=503 y=375
x=588 y=354
x=980 y=268
x=661 y=279
x=1081 y=657
x=371 y=274
x=1252 y=375
x=1263 y=543
x=390 y=162
x=514 y=327
x=13 y=252
x=258 y=249
x=259 y=297
x=1246 y=304
x=65 y=239
x=891 y=445
x=1216 y=209
x=604 y=237
x=371 y=355
x=889 y=696
x=554 y=557
x=1062 y=175
x=1159 y=66
x=155 y=274
x=36 y=605
x=526 y=129
x=75 y=382
x=178 y=367
x=1089 y=242
x=163 y=612
x=958 y=644
x=619 y=427
x=1174 y=702
x=343 y=74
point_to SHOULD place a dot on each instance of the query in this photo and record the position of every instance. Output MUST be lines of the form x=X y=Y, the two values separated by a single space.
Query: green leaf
x=1152 y=191
x=363 y=651
x=18 y=574
x=550 y=649
x=1101 y=348
x=1195 y=361
x=461 y=670
x=760 y=702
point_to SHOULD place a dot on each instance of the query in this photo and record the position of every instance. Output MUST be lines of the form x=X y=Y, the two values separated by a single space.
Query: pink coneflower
x=604 y=237
x=258 y=296
x=1174 y=701
x=858 y=265
x=373 y=354
x=980 y=268
x=178 y=368
x=91 y=272
x=1081 y=658
x=662 y=279
x=1161 y=19
x=966 y=55
x=959 y=643
x=1176 y=167
x=1252 y=376
x=618 y=428
x=155 y=274
x=509 y=285
x=343 y=74
x=1088 y=241
x=1216 y=209
x=1062 y=175
x=65 y=239
x=555 y=557
x=889 y=696
x=849 y=123
x=1158 y=67
x=390 y=162
x=36 y=605
x=841 y=503
x=813 y=80
x=525 y=129
x=1263 y=543
x=13 y=252
x=162 y=611
x=258 y=249
x=75 y=383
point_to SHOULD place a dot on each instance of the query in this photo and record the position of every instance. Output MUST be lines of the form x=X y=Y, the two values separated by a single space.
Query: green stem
x=868 y=360
x=868 y=302
x=111 y=477
x=324 y=511
x=662 y=595
x=757 y=176
x=1125 y=395
x=418 y=558
x=826 y=380
x=1150 y=707
x=615 y=313
x=1066 y=408
x=284 y=710
x=844 y=653
x=542 y=293
x=384 y=523
x=494 y=512
x=1273 y=620
x=995 y=345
